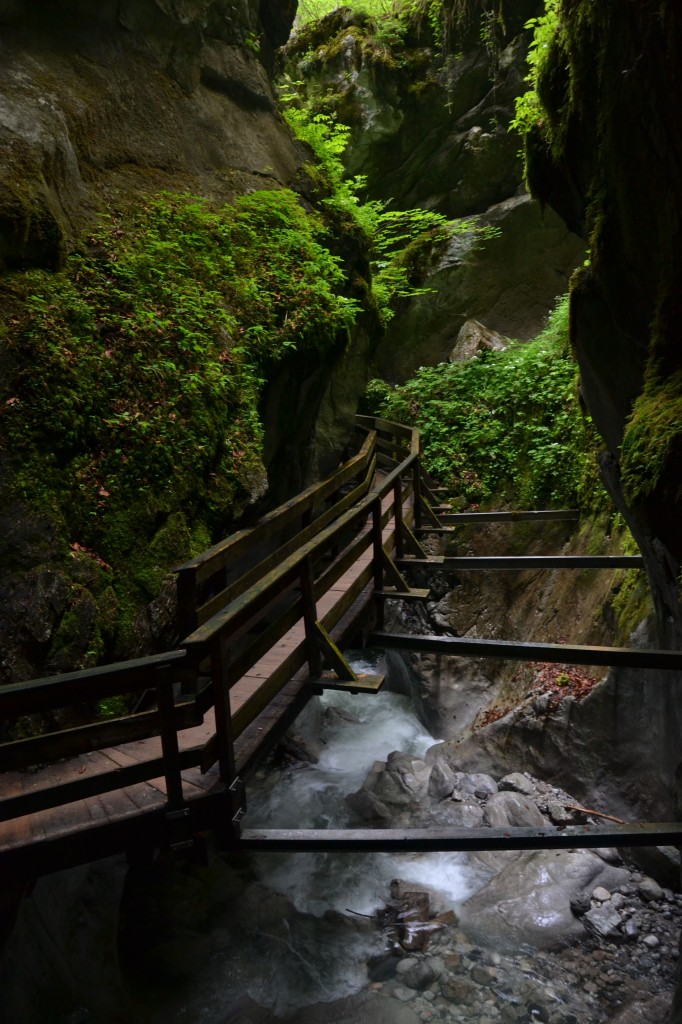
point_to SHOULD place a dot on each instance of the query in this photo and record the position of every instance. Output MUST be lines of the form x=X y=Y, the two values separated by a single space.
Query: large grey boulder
x=529 y=900
x=475 y=337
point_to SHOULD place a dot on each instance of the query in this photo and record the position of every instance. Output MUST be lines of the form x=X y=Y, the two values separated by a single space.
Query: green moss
x=631 y=603
x=652 y=444
x=170 y=546
x=77 y=642
x=133 y=378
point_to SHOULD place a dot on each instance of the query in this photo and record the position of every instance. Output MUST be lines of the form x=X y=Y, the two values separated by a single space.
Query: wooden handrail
x=90 y=684
x=232 y=547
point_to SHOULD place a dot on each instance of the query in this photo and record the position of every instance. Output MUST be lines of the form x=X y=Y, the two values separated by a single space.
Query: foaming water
x=298 y=933
x=314 y=797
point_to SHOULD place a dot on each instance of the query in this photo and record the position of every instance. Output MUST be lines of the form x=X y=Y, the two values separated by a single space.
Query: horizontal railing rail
x=157 y=672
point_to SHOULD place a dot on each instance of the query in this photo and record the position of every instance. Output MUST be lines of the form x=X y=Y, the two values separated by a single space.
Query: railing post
x=378 y=558
x=398 y=517
x=417 y=493
x=310 y=617
x=187 y=597
x=169 y=739
x=223 y=713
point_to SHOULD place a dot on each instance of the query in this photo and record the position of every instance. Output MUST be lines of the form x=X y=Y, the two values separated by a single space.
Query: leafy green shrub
x=135 y=374
x=529 y=109
x=506 y=424
x=401 y=243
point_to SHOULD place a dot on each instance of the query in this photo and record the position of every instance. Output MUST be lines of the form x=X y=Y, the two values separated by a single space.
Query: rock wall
x=101 y=107
x=431 y=130
x=609 y=164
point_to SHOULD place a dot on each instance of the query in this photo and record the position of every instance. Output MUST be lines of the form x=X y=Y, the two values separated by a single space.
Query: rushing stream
x=295 y=930
x=301 y=936
x=313 y=797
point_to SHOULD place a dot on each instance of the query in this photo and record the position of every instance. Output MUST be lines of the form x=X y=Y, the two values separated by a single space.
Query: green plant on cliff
x=529 y=108
x=135 y=374
x=401 y=243
x=506 y=425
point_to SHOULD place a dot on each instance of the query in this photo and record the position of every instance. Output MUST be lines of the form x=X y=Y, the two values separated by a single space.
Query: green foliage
x=313 y=10
x=652 y=443
x=401 y=242
x=505 y=425
x=529 y=109
x=135 y=374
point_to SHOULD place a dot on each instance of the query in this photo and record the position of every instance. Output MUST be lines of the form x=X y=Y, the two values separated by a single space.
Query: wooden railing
x=310 y=571
x=235 y=602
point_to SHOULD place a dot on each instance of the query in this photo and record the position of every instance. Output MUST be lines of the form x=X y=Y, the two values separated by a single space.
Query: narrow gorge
x=226 y=228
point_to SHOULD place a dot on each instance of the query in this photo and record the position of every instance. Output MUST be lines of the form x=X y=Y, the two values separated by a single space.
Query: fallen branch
x=597 y=814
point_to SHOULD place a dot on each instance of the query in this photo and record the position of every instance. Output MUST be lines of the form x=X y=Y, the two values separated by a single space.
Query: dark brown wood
x=310 y=617
x=219 y=601
x=385 y=426
x=378 y=557
x=87 y=685
x=539 y=515
x=226 y=551
x=415 y=594
x=93 y=785
x=333 y=655
x=398 y=516
x=505 y=563
x=20 y=754
x=223 y=713
x=564 y=654
x=169 y=740
x=568 y=837
x=417 y=495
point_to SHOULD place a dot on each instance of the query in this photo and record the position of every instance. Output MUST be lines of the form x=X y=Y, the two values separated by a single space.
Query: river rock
x=477 y=784
x=517 y=783
x=441 y=781
x=661 y=863
x=604 y=922
x=418 y=975
x=650 y=890
x=366 y=1008
x=509 y=809
x=529 y=900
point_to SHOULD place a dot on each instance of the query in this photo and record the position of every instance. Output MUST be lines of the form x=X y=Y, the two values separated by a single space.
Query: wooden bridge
x=264 y=616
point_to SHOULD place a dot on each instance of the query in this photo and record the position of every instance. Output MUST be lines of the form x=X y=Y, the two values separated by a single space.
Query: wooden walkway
x=263 y=700
x=265 y=615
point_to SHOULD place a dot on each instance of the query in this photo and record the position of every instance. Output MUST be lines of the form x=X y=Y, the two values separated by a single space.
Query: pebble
x=651 y=941
x=600 y=894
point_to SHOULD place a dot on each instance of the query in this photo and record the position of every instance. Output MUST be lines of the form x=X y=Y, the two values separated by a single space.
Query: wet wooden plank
x=488 y=563
x=568 y=654
x=551 y=837
x=522 y=516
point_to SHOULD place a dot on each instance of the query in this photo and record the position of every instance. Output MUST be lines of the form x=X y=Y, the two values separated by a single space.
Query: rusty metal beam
x=565 y=654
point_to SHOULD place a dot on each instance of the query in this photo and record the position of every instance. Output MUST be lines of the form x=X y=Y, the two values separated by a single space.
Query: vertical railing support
x=378 y=558
x=188 y=600
x=310 y=618
x=223 y=713
x=417 y=493
x=169 y=739
x=398 y=517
